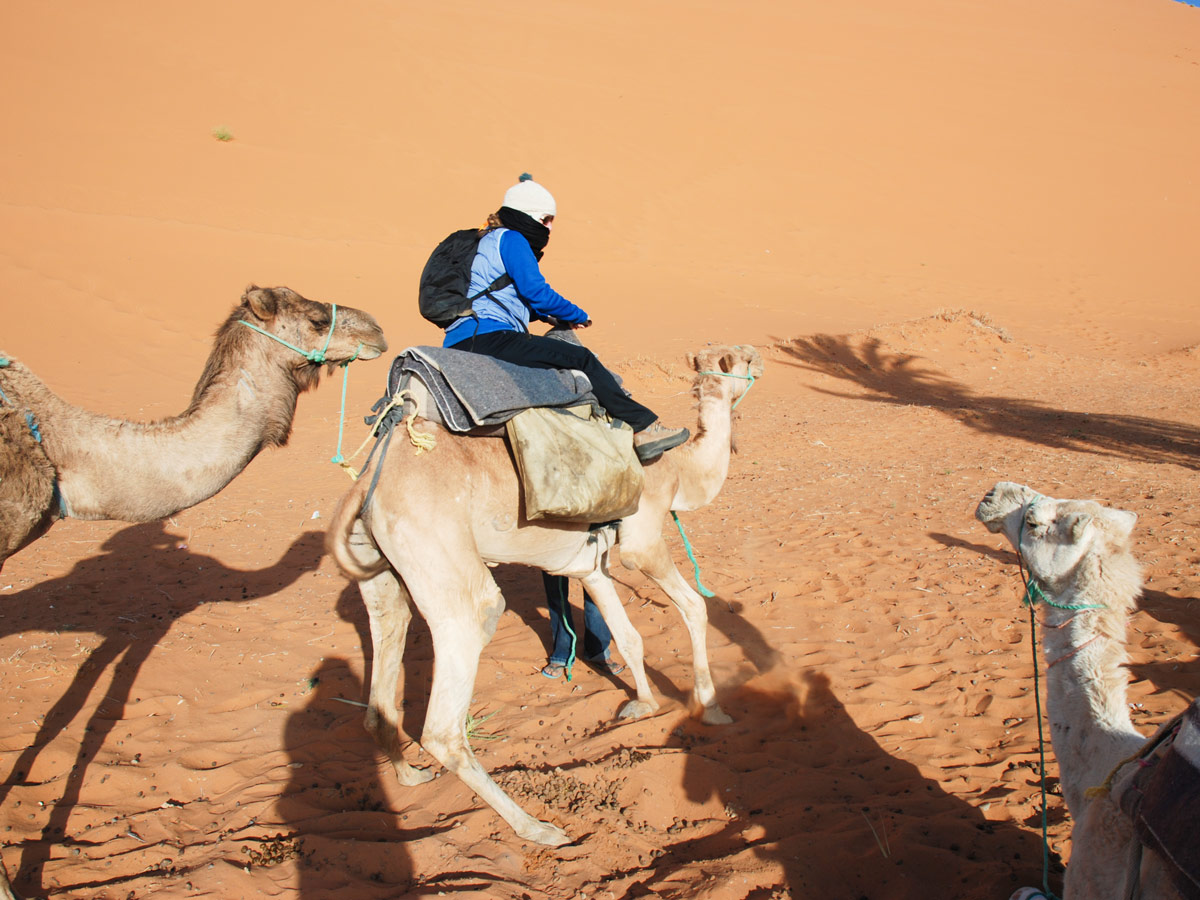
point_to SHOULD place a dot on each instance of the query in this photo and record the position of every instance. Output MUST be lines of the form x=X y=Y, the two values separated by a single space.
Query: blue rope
x=704 y=592
x=565 y=613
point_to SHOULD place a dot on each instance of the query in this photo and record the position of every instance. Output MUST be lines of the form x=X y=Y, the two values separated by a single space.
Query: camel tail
x=343 y=538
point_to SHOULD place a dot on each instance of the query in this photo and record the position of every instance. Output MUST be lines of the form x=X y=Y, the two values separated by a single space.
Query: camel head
x=742 y=363
x=306 y=324
x=1054 y=537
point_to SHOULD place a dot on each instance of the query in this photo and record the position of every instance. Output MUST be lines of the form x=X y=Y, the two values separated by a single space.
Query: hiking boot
x=651 y=443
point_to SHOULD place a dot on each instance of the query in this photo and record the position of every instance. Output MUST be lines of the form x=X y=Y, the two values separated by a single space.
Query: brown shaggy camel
x=435 y=522
x=1079 y=554
x=245 y=401
x=26 y=482
x=110 y=469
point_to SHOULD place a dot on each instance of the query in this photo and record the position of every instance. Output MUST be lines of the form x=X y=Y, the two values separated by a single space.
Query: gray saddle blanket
x=472 y=390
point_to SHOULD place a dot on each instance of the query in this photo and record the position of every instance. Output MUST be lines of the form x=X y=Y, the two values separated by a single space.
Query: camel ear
x=1077 y=524
x=1122 y=520
x=261 y=301
x=693 y=361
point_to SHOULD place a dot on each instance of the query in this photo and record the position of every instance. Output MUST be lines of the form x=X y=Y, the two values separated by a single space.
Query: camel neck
x=1089 y=718
x=136 y=472
x=703 y=463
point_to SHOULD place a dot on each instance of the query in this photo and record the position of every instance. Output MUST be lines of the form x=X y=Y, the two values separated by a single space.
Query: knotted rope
x=422 y=440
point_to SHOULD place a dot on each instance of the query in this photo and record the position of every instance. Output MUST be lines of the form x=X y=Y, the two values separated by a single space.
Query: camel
x=1079 y=553
x=438 y=519
x=26 y=482
x=245 y=401
x=103 y=468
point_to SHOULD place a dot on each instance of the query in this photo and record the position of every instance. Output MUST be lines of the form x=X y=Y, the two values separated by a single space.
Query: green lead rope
x=704 y=592
x=318 y=357
x=565 y=615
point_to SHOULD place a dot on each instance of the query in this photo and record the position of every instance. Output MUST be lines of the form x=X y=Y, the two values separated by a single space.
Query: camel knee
x=384 y=730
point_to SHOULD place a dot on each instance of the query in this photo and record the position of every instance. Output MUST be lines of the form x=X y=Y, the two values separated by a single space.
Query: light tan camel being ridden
x=1079 y=554
x=110 y=469
x=435 y=522
x=245 y=400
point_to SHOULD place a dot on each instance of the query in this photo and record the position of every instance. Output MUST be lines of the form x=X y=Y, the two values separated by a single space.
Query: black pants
x=539 y=352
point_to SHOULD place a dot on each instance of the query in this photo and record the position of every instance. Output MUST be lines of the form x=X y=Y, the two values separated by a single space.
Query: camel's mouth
x=998 y=503
x=372 y=351
x=989 y=514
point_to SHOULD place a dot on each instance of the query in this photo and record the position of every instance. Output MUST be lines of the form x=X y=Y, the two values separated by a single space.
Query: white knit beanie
x=531 y=198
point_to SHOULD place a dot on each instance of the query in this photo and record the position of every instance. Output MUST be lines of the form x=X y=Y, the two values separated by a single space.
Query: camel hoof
x=411 y=777
x=714 y=715
x=545 y=833
x=635 y=709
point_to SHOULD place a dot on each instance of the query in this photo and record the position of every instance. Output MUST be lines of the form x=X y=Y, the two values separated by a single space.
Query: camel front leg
x=388 y=609
x=459 y=635
x=629 y=641
x=655 y=561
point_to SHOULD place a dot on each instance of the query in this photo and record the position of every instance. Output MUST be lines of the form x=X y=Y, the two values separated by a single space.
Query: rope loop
x=746 y=377
x=313 y=356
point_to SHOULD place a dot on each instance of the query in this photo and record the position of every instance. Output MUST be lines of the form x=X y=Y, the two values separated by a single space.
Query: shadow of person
x=338 y=818
x=815 y=805
x=130 y=595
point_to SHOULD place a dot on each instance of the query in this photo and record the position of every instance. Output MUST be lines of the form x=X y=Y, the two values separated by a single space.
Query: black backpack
x=442 y=297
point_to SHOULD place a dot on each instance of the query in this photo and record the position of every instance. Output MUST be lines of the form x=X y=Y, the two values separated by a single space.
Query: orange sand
x=834 y=183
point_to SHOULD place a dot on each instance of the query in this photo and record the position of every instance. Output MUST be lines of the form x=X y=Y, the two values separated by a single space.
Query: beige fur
x=437 y=519
x=110 y=469
x=1080 y=553
x=244 y=401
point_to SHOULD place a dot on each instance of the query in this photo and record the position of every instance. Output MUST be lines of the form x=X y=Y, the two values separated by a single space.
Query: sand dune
x=961 y=236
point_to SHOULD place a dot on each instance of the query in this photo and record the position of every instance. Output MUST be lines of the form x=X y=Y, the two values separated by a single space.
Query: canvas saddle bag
x=575 y=466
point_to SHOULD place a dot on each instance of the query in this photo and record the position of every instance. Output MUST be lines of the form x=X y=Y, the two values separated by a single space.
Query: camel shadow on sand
x=130 y=595
x=817 y=798
x=902 y=379
x=810 y=795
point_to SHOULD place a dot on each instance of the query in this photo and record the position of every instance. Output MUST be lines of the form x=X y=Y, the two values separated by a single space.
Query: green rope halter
x=318 y=357
x=313 y=356
x=1032 y=596
x=746 y=377
x=705 y=592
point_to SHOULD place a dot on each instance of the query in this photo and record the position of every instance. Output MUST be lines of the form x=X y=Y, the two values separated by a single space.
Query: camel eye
x=319 y=321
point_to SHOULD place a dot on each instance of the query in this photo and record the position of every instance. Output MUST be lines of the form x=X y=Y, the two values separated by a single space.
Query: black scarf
x=527 y=226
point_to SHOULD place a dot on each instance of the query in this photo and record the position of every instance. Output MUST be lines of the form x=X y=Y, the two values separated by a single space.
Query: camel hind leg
x=462 y=612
